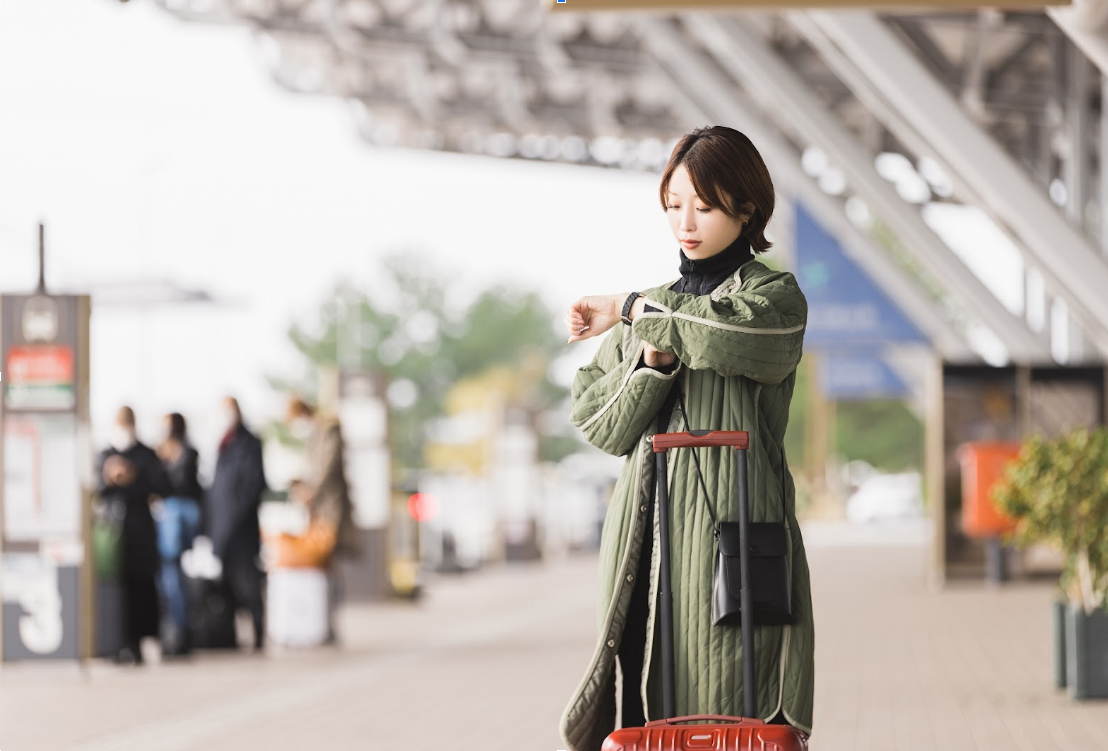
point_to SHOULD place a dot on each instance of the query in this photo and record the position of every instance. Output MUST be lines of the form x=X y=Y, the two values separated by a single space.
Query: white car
x=896 y=496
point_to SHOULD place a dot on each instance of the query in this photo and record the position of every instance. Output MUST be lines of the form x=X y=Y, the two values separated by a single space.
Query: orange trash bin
x=983 y=464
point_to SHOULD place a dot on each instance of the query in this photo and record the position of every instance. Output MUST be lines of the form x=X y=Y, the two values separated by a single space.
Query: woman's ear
x=746 y=211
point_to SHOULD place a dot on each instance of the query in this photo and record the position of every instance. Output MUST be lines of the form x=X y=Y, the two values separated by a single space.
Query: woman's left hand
x=592 y=315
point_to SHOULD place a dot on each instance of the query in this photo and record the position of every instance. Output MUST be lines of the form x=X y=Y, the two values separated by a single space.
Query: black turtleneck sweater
x=701 y=276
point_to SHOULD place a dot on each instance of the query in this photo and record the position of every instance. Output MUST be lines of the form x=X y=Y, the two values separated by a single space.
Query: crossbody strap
x=700 y=475
x=696 y=459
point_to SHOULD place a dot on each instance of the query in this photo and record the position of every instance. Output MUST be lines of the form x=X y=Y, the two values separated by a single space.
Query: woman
x=178 y=525
x=130 y=476
x=727 y=337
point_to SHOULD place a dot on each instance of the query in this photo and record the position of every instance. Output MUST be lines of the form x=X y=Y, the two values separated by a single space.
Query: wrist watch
x=628 y=304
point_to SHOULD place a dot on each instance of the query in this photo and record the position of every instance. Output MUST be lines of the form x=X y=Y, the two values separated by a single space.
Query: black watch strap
x=627 y=305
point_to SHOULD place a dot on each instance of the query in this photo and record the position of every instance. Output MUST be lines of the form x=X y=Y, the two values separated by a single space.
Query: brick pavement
x=486 y=664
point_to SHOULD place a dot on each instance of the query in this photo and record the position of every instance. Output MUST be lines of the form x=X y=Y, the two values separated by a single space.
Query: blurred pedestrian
x=324 y=489
x=129 y=477
x=233 y=501
x=178 y=525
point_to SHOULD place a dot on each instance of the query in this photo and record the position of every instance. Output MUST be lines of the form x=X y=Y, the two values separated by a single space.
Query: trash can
x=983 y=464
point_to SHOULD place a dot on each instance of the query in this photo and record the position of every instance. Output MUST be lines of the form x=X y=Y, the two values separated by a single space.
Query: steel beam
x=1057 y=247
x=677 y=6
x=895 y=121
x=707 y=95
x=1103 y=172
x=748 y=58
x=1076 y=163
x=1086 y=23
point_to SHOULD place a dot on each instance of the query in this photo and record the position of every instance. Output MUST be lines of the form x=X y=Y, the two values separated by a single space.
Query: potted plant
x=1057 y=490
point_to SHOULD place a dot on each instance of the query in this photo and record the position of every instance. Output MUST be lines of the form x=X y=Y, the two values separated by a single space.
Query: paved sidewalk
x=487 y=662
x=901 y=667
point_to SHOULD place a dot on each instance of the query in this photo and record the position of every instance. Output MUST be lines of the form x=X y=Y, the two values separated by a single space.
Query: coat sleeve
x=101 y=484
x=613 y=400
x=757 y=333
x=255 y=474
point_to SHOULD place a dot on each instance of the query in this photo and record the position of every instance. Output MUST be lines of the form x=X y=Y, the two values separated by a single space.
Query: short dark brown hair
x=178 y=428
x=726 y=171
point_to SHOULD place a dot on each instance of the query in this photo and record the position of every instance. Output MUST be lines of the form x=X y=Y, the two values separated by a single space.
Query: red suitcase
x=706 y=732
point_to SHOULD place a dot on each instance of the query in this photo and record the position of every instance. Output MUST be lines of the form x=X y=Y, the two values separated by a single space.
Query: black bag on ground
x=211 y=614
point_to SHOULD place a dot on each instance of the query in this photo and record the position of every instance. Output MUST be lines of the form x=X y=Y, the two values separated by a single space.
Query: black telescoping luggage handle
x=740 y=441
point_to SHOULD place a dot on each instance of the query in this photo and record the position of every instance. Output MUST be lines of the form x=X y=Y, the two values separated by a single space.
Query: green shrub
x=1057 y=491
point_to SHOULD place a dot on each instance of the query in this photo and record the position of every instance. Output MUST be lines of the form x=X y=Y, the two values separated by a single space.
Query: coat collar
x=701 y=276
x=731 y=283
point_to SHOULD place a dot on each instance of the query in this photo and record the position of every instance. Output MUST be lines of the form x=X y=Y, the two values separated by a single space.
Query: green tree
x=408 y=331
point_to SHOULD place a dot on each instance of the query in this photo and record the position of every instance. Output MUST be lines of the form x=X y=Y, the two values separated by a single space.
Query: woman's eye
x=702 y=211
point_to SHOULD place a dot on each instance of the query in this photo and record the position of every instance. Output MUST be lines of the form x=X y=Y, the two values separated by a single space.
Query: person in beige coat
x=324 y=488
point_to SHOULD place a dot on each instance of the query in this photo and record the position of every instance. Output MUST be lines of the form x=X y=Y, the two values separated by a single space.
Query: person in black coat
x=233 y=501
x=129 y=476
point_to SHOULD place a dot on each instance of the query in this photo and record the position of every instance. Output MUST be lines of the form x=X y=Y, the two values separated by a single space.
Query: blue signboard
x=863 y=374
x=845 y=307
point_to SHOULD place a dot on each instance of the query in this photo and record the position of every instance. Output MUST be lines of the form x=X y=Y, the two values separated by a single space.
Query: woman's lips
x=690 y=243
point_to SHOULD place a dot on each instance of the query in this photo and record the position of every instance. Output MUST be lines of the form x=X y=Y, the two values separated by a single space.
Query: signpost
x=44 y=378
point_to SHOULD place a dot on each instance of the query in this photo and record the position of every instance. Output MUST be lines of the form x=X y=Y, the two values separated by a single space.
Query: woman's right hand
x=656 y=358
x=592 y=315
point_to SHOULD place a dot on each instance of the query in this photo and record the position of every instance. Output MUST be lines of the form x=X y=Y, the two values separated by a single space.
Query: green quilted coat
x=738 y=350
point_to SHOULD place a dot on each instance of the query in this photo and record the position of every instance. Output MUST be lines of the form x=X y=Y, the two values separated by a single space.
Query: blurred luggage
x=211 y=614
x=211 y=606
x=310 y=550
x=711 y=732
x=109 y=618
x=296 y=606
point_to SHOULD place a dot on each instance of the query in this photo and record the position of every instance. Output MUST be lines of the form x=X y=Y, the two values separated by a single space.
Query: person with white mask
x=232 y=507
x=130 y=476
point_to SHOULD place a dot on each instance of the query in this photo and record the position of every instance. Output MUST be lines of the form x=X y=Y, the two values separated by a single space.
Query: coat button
x=630 y=577
x=642 y=508
x=611 y=644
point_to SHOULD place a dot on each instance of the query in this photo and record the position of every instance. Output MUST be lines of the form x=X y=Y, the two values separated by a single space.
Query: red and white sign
x=40 y=377
x=40 y=365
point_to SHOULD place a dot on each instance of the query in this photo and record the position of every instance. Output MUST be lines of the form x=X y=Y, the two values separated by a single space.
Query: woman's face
x=692 y=219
